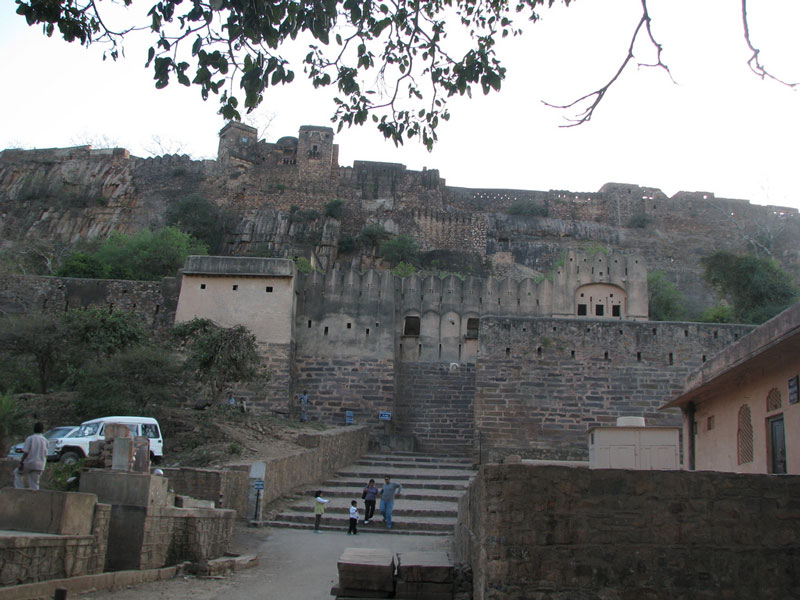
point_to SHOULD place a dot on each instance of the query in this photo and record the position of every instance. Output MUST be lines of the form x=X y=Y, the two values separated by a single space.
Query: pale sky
x=720 y=129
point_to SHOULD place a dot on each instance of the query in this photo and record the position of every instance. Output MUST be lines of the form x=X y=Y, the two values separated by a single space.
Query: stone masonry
x=557 y=533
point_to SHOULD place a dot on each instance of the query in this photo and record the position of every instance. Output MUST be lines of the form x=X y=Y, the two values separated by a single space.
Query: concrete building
x=741 y=410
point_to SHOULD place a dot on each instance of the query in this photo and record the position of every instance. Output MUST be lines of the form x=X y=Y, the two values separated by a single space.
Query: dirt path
x=294 y=565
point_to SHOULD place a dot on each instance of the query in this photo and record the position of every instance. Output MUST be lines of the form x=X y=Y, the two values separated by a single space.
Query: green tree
x=401 y=249
x=147 y=255
x=220 y=356
x=404 y=270
x=721 y=313
x=84 y=265
x=666 y=302
x=41 y=337
x=333 y=209
x=758 y=289
x=528 y=208
x=12 y=422
x=394 y=62
x=97 y=332
x=202 y=219
x=129 y=381
x=371 y=235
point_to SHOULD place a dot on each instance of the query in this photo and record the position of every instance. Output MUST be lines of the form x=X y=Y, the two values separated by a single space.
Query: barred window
x=745 y=435
x=773 y=400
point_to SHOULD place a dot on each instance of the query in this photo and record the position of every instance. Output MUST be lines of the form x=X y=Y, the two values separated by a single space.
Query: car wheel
x=69 y=458
x=156 y=460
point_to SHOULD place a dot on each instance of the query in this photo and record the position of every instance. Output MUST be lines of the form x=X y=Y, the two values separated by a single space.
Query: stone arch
x=601 y=300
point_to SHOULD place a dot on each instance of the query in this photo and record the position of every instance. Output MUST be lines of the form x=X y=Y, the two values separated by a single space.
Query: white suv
x=76 y=446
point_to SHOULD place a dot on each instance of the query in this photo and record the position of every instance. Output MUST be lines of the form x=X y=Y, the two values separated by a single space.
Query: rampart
x=557 y=533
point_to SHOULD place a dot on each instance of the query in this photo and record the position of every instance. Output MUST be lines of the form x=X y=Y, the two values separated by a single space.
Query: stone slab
x=366 y=569
x=86 y=583
x=223 y=566
x=344 y=594
x=434 y=567
x=132 y=489
x=47 y=511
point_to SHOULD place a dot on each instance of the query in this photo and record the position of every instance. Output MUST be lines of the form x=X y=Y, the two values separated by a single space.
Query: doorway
x=777 y=445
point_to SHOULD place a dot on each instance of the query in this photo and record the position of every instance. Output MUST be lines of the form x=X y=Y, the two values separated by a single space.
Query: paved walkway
x=297 y=564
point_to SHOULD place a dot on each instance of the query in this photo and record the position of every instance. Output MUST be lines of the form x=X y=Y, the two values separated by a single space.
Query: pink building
x=741 y=410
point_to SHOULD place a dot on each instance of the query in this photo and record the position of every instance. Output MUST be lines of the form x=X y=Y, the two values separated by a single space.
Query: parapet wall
x=541 y=383
x=558 y=533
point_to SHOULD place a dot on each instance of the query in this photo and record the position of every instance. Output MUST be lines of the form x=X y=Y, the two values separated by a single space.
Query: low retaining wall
x=548 y=532
x=327 y=452
x=226 y=488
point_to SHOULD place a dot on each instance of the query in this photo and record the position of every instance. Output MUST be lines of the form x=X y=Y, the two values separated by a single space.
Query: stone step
x=336 y=530
x=395 y=462
x=398 y=521
x=404 y=508
x=354 y=493
x=366 y=474
x=410 y=484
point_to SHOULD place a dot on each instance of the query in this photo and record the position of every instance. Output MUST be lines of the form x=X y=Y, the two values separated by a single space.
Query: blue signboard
x=348 y=417
x=258 y=484
x=385 y=416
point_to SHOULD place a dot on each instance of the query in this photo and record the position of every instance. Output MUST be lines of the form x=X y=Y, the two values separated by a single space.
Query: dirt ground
x=293 y=565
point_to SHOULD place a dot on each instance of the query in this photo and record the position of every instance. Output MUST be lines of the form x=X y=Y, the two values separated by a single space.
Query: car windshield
x=87 y=429
x=57 y=432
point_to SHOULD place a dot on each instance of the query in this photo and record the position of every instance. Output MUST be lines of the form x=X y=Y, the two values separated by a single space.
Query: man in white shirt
x=34 y=458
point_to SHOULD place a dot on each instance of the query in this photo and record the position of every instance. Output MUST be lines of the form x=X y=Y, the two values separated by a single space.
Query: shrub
x=404 y=270
x=303 y=265
x=371 y=235
x=638 y=221
x=333 y=209
x=527 y=208
x=666 y=302
x=346 y=244
x=401 y=249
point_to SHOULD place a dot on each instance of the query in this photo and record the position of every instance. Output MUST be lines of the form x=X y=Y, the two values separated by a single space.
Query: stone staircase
x=428 y=504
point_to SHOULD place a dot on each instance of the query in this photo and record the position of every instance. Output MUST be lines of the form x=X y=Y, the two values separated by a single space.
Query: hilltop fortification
x=543 y=333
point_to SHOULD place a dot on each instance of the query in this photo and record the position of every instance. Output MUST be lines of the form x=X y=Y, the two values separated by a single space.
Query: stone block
x=189 y=502
x=47 y=511
x=119 y=487
x=434 y=567
x=366 y=569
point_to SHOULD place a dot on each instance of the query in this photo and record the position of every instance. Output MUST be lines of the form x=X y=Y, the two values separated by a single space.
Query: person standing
x=353 y=518
x=369 y=495
x=319 y=509
x=34 y=458
x=303 y=400
x=387 y=494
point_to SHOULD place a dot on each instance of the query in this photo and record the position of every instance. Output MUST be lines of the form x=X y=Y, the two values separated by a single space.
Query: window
x=599 y=310
x=411 y=326
x=473 y=325
x=615 y=311
x=235 y=287
x=581 y=310
x=269 y=289
x=150 y=430
x=744 y=436
x=202 y=286
x=773 y=400
x=710 y=423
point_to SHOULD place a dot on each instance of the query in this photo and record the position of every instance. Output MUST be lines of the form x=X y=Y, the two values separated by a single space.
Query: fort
x=543 y=333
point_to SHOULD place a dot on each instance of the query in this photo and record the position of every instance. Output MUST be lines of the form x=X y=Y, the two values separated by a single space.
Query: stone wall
x=29 y=557
x=558 y=533
x=155 y=302
x=327 y=452
x=541 y=383
x=336 y=385
x=226 y=488
x=434 y=403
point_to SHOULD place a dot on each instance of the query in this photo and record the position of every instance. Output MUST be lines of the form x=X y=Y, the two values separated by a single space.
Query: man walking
x=387 y=494
x=34 y=458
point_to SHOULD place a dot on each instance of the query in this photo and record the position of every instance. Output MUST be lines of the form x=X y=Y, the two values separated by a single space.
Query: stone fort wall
x=557 y=533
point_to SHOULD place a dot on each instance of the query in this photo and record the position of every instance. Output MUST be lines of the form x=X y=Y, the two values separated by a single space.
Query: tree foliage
x=666 y=302
x=758 y=289
x=333 y=209
x=202 y=219
x=371 y=235
x=142 y=256
x=391 y=62
x=13 y=421
x=131 y=380
x=41 y=338
x=219 y=355
x=403 y=248
x=527 y=208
